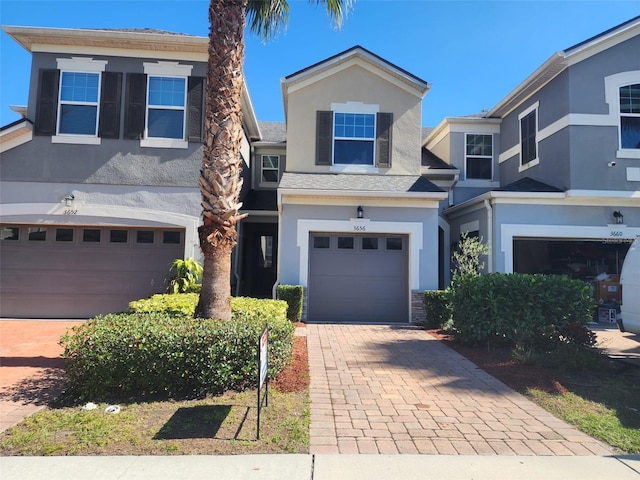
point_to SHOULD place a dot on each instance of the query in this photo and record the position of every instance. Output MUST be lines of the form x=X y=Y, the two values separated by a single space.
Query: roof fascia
x=35 y=39
x=538 y=79
x=560 y=61
x=15 y=134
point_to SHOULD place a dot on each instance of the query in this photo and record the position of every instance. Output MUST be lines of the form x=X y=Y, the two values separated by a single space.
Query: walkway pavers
x=395 y=389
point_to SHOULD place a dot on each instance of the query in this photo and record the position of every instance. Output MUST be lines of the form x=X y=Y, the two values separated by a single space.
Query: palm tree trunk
x=220 y=181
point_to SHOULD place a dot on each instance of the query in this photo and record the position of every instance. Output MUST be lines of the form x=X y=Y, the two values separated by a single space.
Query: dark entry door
x=259 y=259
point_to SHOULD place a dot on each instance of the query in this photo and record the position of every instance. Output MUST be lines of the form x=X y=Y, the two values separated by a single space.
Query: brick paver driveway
x=30 y=366
x=396 y=389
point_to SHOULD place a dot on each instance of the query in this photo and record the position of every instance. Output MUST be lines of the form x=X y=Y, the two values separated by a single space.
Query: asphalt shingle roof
x=527 y=184
x=273 y=132
x=431 y=160
x=346 y=182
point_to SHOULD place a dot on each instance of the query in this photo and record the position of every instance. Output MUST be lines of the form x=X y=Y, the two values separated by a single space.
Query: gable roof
x=356 y=55
x=563 y=59
x=357 y=50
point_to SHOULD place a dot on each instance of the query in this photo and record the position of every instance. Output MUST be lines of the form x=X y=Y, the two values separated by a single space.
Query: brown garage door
x=358 y=278
x=81 y=271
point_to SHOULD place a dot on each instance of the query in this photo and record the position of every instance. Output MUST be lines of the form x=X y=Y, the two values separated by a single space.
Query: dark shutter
x=324 y=137
x=384 y=122
x=135 y=104
x=195 y=112
x=47 y=106
x=110 y=100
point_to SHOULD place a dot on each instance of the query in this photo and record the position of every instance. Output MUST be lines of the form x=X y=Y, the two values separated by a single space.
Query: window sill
x=528 y=165
x=163 y=143
x=628 y=153
x=353 y=169
x=76 y=139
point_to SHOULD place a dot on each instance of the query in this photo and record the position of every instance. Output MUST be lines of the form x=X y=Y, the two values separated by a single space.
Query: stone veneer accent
x=305 y=302
x=417 y=307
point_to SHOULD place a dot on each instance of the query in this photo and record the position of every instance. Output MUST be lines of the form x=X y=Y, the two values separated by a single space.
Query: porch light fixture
x=68 y=200
x=619 y=218
x=360 y=212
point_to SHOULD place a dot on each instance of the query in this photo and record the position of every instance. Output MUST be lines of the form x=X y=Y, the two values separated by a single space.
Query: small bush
x=293 y=295
x=437 y=308
x=183 y=275
x=152 y=353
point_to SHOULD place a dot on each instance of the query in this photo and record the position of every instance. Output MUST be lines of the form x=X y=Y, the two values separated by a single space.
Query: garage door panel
x=80 y=279
x=58 y=306
x=356 y=284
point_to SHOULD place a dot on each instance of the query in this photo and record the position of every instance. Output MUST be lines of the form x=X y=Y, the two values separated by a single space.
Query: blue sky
x=472 y=52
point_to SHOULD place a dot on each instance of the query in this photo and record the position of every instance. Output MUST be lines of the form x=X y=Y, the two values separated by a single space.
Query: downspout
x=487 y=205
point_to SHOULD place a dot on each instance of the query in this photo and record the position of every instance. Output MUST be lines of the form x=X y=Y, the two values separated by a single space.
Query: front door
x=259 y=259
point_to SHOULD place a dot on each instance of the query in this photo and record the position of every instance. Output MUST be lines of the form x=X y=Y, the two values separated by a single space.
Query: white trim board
x=607 y=232
x=360 y=226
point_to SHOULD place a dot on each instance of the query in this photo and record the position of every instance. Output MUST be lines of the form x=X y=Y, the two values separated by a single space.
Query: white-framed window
x=479 y=156
x=79 y=100
x=528 y=123
x=354 y=137
x=270 y=169
x=78 y=103
x=166 y=107
x=630 y=117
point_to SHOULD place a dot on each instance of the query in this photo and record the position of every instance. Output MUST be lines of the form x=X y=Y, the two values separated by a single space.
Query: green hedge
x=518 y=309
x=437 y=307
x=169 y=355
x=293 y=295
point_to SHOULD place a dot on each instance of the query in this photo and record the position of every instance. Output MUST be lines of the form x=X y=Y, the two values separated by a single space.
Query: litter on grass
x=112 y=409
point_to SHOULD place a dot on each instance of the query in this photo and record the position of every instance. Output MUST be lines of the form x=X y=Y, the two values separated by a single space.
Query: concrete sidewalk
x=322 y=467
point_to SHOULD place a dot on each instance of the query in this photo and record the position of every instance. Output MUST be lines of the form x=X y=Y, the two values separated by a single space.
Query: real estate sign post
x=263 y=350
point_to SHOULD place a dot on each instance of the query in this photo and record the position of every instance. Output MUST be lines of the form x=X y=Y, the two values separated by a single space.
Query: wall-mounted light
x=611 y=164
x=68 y=200
x=618 y=217
x=360 y=212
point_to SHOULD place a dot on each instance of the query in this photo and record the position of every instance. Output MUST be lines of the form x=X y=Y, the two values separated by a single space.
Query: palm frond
x=267 y=17
x=337 y=10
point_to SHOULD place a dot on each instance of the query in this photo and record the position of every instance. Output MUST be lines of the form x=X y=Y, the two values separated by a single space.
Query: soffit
x=79 y=40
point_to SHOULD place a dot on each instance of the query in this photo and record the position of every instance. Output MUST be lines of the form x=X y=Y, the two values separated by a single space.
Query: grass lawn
x=217 y=425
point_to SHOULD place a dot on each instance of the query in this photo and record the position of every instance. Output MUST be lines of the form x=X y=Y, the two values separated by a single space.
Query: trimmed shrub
x=176 y=304
x=293 y=295
x=528 y=311
x=173 y=355
x=437 y=307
